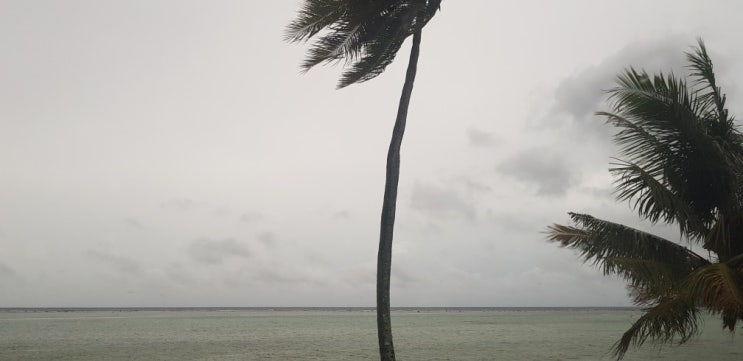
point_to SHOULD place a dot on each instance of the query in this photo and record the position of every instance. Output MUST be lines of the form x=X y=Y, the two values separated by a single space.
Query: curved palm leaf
x=671 y=317
x=654 y=267
x=702 y=70
x=648 y=280
x=599 y=240
x=366 y=34
x=717 y=287
x=653 y=199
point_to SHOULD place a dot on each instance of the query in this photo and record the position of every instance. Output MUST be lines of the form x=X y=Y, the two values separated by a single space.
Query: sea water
x=337 y=334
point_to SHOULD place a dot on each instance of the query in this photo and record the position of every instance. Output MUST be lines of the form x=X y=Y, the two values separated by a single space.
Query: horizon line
x=298 y=307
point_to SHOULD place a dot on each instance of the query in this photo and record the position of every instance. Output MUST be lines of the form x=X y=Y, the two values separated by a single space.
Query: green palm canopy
x=681 y=162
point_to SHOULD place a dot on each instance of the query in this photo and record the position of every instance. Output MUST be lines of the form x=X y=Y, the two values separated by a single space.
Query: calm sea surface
x=337 y=334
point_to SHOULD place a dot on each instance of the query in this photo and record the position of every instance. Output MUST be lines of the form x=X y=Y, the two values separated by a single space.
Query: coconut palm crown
x=366 y=34
x=681 y=162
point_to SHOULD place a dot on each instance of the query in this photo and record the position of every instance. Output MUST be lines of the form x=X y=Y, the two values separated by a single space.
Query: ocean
x=424 y=334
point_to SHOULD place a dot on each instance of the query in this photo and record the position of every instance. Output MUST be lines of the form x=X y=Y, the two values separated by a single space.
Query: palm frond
x=670 y=318
x=717 y=287
x=648 y=280
x=314 y=16
x=598 y=240
x=637 y=142
x=653 y=199
x=366 y=34
x=382 y=43
x=702 y=69
x=654 y=267
x=718 y=238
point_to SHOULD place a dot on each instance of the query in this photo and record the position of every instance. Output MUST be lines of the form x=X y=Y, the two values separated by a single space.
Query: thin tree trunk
x=387 y=224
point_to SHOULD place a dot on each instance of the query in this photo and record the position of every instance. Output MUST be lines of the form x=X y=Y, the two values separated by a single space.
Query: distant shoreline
x=322 y=309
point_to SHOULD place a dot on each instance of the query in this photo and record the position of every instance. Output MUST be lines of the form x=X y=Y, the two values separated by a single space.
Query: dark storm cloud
x=120 y=263
x=481 y=138
x=541 y=168
x=440 y=203
x=582 y=95
x=215 y=251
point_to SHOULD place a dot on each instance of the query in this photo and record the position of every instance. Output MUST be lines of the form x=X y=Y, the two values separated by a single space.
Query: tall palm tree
x=682 y=163
x=367 y=34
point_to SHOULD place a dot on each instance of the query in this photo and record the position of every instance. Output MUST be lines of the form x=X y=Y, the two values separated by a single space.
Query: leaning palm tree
x=367 y=34
x=682 y=163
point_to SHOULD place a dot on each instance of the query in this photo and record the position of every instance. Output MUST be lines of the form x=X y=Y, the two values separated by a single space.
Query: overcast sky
x=170 y=153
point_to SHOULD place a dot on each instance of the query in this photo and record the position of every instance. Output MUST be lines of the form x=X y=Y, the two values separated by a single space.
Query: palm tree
x=367 y=34
x=682 y=163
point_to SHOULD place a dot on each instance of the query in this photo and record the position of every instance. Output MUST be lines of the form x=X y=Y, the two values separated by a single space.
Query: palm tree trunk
x=387 y=224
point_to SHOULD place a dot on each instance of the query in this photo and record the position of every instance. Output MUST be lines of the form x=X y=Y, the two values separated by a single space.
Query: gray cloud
x=133 y=222
x=342 y=214
x=605 y=193
x=582 y=95
x=6 y=271
x=267 y=238
x=120 y=263
x=274 y=275
x=189 y=127
x=402 y=276
x=542 y=168
x=178 y=274
x=440 y=203
x=183 y=204
x=515 y=222
x=359 y=275
x=472 y=186
x=250 y=217
x=481 y=138
x=222 y=211
x=279 y=275
x=215 y=251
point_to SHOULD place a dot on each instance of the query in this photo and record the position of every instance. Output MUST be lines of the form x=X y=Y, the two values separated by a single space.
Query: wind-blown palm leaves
x=367 y=34
x=681 y=162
